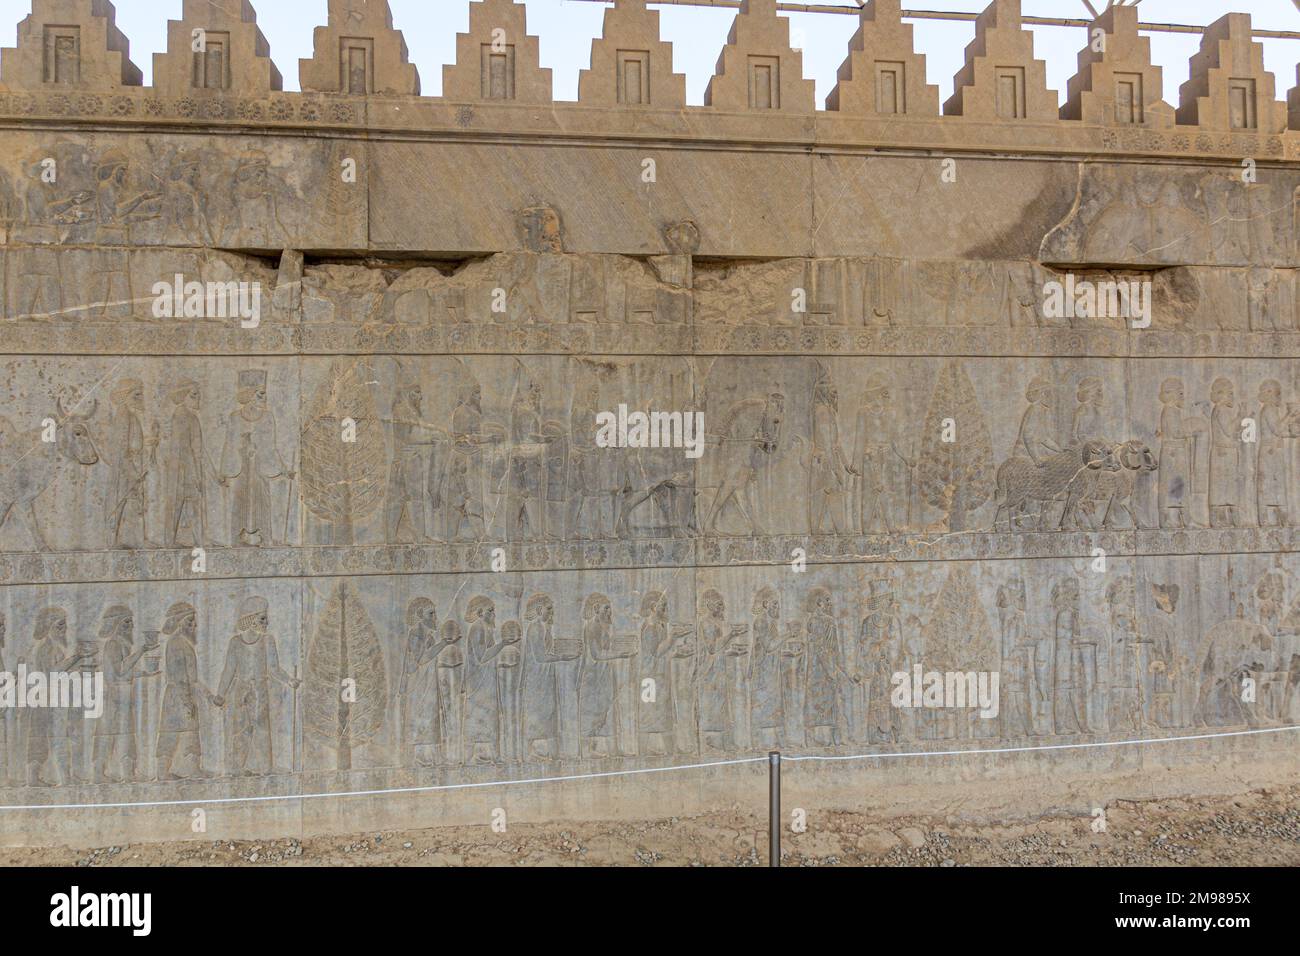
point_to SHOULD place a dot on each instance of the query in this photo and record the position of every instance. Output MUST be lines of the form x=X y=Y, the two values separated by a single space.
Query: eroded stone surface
x=386 y=480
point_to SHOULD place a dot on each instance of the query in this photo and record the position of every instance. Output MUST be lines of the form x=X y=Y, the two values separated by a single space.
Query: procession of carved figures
x=520 y=675
x=168 y=193
x=388 y=451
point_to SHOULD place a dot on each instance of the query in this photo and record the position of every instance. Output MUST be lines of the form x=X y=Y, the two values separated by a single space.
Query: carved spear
x=288 y=509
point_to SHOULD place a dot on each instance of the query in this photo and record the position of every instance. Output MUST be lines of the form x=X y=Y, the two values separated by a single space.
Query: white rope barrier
x=629 y=773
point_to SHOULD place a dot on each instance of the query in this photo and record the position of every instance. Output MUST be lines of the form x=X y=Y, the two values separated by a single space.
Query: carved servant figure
x=250 y=462
x=180 y=747
x=1225 y=455
x=252 y=662
x=482 y=726
x=115 y=742
x=49 y=738
x=132 y=455
x=541 y=691
x=189 y=470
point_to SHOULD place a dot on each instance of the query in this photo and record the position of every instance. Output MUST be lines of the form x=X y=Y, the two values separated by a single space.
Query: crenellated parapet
x=1001 y=80
x=71 y=45
x=883 y=74
x=1293 y=103
x=1229 y=89
x=757 y=69
x=1117 y=85
x=71 y=65
x=358 y=52
x=497 y=60
x=216 y=47
x=631 y=65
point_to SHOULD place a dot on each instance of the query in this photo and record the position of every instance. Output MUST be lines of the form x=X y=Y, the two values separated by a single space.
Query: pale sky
x=567 y=27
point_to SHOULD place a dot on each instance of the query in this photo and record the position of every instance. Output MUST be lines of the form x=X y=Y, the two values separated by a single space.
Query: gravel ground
x=1261 y=828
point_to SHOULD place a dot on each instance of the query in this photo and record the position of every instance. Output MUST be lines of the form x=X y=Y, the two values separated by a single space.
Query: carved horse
x=747 y=440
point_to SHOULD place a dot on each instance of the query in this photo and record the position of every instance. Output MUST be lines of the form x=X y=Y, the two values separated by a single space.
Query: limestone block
x=896 y=206
x=1117 y=85
x=598 y=196
x=69 y=44
x=630 y=64
x=1001 y=81
x=1293 y=104
x=358 y=52
x=1229 y=89
x=757 y=70
x=216 y=46
x=497 y=59
x=883 y=74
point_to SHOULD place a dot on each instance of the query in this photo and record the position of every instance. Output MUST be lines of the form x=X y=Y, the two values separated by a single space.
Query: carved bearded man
x=829 y=469
x=463 y=495
x=541 y=690
x=180 y=748
x=131 y=454
x=880 y=641
x=50 y=735
x=1225 y=455
x=406 y=475
x=882 y=463
x=256 y=205
x=482 y=723
x=250 y=461
x=1037 y=437
x=189 y=470
x=1277 y=431
x=417 y=689
x=252 y=662
x=1017 y=652
x=115 y=749
x=823 y=705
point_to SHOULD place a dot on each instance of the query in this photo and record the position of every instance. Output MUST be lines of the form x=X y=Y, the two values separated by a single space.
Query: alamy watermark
x=624 y=429
x=59 y=690
x=1107 y=299
x=957 y=689
x=179 y=299
x=75 y=909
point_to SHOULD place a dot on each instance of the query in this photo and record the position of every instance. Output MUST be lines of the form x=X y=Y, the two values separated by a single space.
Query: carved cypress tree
x=343 y=480
x=958 y=637
x=345 y=697
x=955 y=476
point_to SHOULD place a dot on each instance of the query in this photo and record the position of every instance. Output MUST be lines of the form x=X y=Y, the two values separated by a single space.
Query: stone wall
x=366 y=539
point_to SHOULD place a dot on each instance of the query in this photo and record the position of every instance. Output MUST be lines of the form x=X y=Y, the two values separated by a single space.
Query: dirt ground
x=1261 y=828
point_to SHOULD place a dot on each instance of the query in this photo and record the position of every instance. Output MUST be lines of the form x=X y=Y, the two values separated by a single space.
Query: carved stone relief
x=378 y=531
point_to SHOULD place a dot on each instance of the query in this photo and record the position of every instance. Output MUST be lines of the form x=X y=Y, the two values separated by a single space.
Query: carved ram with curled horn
x=33 y=460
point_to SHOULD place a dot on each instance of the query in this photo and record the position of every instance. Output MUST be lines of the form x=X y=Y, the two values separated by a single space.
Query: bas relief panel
x=394 y=480
x=227 y=680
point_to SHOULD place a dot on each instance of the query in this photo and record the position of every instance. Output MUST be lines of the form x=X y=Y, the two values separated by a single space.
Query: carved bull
x=29 y=465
